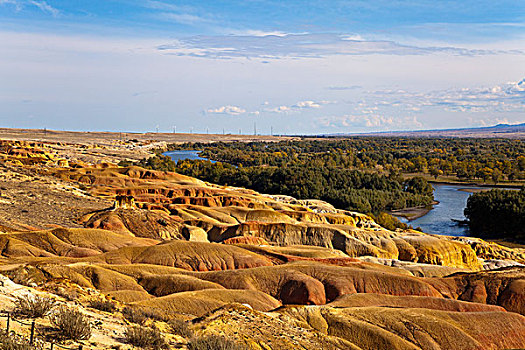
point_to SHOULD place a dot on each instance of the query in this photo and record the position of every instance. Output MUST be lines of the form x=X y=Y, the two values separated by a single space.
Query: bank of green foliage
x=490 y=160
x=344 y=188
x=497 y=214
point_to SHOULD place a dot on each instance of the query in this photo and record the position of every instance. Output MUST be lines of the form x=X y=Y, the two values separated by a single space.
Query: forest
x=481 y=160
x=497 y=214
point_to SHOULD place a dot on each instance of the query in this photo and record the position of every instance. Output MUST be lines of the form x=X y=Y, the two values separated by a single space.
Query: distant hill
x=511 y=131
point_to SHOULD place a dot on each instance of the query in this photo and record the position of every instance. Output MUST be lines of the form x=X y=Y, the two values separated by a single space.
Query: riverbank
x=413 y=213
x=506 y=243
x=451 y=180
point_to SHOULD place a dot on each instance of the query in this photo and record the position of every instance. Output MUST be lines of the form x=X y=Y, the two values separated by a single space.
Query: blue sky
x=299 y=66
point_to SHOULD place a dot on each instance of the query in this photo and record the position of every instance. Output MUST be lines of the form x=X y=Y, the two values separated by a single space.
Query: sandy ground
x=29 y=200
x=110 y=138
x=477 y=190
x=413 y=213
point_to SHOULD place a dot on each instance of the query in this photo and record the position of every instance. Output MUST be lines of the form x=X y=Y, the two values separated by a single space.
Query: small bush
x=103 y=305
x=145 y=337
x=8 y=342
x=71 y=324
x=214 y=342
x=134 y=315
x=389 y=222
x=34 y=305
x=155 y=314
x=180 y=327
x=140 y=316
x=70 y=294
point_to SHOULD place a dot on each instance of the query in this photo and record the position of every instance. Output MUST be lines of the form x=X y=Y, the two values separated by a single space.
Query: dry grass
x=141 y=316
x=8 y=342
x=34 y=306
x=180 y=327
x=145 y=337
x=71 y=324
x=214 y=343
x=103 y=305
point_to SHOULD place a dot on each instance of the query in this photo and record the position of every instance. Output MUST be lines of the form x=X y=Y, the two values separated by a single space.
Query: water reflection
x=184 y=154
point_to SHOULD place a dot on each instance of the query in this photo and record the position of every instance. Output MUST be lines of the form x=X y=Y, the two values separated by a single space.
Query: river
x=184 y=154
x=452 y=202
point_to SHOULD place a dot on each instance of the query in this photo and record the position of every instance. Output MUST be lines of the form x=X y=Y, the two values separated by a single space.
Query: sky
x=291 y=67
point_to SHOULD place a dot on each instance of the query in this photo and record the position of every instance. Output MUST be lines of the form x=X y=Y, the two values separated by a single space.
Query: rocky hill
x=267 y=272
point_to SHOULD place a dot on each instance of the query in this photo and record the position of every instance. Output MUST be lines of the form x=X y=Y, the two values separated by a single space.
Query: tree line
x=497 y=214
x=488 y=160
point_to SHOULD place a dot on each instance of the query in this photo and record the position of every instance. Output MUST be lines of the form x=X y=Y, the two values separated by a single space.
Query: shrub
x=7 y=342
x=144 y=337
x=389 y=222
x=180 y=327
x=214 y=342
x=70 y=294
x=72 y=324
x=103 y=305
x=140 y=316
x=34 y=305
x=134 y=315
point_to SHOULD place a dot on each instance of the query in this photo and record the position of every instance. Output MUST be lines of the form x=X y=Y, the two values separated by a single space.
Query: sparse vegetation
x=180 y=327
x=71 y=324
x=389 y=222
x=134 y=315
x=145 y=337
x=34 y=305
x=214 y=342
x=9 y=342
x=103 y=305
x=140 y=316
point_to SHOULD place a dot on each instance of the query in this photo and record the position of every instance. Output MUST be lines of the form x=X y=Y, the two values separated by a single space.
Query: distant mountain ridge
x=514 y=131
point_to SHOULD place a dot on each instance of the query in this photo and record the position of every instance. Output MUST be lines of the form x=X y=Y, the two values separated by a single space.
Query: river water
x=184 y=154
x=452 y=202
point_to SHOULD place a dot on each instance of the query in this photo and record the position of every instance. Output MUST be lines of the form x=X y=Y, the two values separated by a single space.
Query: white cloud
x=343 y=88
x=182 y=14
x=301 y=105
x=183 y=18
x=276 y=45
x=364 y=122
x=45 y=7
x=17 y=4
x=307 y=104
x=257 y=33
x=41 y=5
x=159 y=5
x=507 y=97
x=352 y=37
x=231 y=110
x=280 y=109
